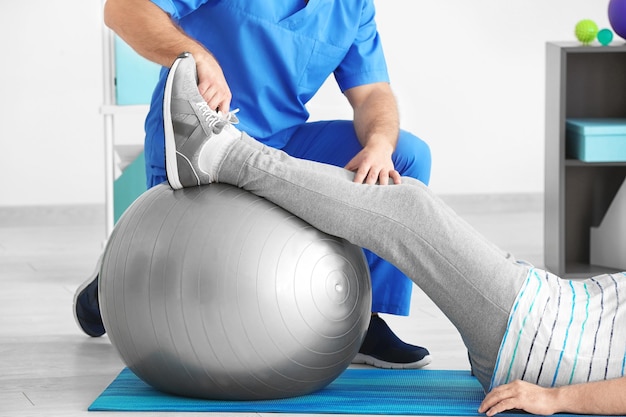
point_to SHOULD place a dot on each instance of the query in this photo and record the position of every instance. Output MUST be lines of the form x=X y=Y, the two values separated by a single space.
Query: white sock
x=215 y=149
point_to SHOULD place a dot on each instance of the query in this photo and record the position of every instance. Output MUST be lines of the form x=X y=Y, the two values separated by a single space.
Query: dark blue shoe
x=383 y=349
x=87 y=307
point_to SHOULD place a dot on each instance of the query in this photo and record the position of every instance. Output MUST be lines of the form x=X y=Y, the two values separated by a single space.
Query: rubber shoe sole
x=168 y=128
x=363 y=359
x=93 y=327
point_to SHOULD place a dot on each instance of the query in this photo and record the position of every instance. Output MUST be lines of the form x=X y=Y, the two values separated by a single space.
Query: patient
x=536 y=342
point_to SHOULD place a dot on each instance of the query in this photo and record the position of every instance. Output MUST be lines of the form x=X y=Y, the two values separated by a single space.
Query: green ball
x=586 y=31
x=605 y=36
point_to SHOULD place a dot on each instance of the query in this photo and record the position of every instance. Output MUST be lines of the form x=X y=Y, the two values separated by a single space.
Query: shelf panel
x=576 y=47
x=579 y=163
x=579 y=270
x=134 y=109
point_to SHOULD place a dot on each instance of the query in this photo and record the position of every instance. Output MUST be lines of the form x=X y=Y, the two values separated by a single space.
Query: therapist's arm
x=377 y=127
x=152 y=34
x=602 y=397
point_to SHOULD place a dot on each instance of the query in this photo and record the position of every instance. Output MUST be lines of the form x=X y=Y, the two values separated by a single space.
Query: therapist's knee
x=412 y=157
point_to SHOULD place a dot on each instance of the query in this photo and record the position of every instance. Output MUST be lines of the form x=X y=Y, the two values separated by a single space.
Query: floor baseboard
x=11 y=216
x=20 y=216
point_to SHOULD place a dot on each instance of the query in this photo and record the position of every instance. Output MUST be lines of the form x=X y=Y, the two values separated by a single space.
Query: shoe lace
x=216 y=119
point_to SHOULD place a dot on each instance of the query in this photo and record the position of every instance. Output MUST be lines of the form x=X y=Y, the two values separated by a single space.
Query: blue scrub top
x=275 y=56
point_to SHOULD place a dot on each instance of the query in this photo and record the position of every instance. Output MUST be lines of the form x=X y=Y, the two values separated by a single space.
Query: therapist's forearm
x=376 y=119
x=149 y=30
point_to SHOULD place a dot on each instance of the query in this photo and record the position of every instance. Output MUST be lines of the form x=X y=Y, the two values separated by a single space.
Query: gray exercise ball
x=212 y=292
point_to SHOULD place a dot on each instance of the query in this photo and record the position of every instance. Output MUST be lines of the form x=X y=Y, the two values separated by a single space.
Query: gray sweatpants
x=473 y=282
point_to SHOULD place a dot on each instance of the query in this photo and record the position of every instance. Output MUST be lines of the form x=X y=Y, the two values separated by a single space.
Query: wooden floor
x=49 y=368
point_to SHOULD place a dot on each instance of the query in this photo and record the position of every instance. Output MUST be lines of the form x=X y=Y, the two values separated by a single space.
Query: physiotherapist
x=268 y=59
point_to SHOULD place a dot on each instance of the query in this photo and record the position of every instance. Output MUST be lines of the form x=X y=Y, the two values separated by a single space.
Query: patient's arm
x=602 y=397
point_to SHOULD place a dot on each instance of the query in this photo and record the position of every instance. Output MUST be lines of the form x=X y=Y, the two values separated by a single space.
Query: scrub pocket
x=324 y=59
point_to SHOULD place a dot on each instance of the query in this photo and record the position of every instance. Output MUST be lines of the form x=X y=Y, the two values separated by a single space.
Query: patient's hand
x=522 y=396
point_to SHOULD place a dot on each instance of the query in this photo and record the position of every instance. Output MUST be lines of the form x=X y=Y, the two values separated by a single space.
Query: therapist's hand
x=212 y=83
x=376 y=126
x=373 y=165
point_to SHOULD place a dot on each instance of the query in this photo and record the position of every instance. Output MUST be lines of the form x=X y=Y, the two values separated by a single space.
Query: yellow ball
x=586 y=31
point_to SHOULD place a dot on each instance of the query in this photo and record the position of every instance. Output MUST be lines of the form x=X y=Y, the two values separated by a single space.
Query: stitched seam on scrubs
x=280 y=24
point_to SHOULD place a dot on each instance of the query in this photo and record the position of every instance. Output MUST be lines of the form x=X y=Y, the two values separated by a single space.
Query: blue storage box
x=596 y=140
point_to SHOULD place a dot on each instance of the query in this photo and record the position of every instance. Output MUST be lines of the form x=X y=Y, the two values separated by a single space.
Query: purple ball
x=617 y=16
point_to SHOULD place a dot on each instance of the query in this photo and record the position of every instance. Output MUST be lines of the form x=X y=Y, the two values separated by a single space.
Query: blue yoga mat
x=356 y=391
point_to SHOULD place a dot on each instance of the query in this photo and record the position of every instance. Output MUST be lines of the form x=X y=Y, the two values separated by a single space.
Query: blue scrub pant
x=335 y=143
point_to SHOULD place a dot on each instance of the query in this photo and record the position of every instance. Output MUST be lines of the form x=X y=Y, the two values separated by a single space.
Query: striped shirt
x=562 y=332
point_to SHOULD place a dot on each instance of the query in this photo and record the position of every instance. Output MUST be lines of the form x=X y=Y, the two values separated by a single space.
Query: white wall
x=51 y=89
x=469 y=77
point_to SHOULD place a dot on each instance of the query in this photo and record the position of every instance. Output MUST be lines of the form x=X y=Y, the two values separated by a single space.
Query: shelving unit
x=581 y=82
x=128 y=83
